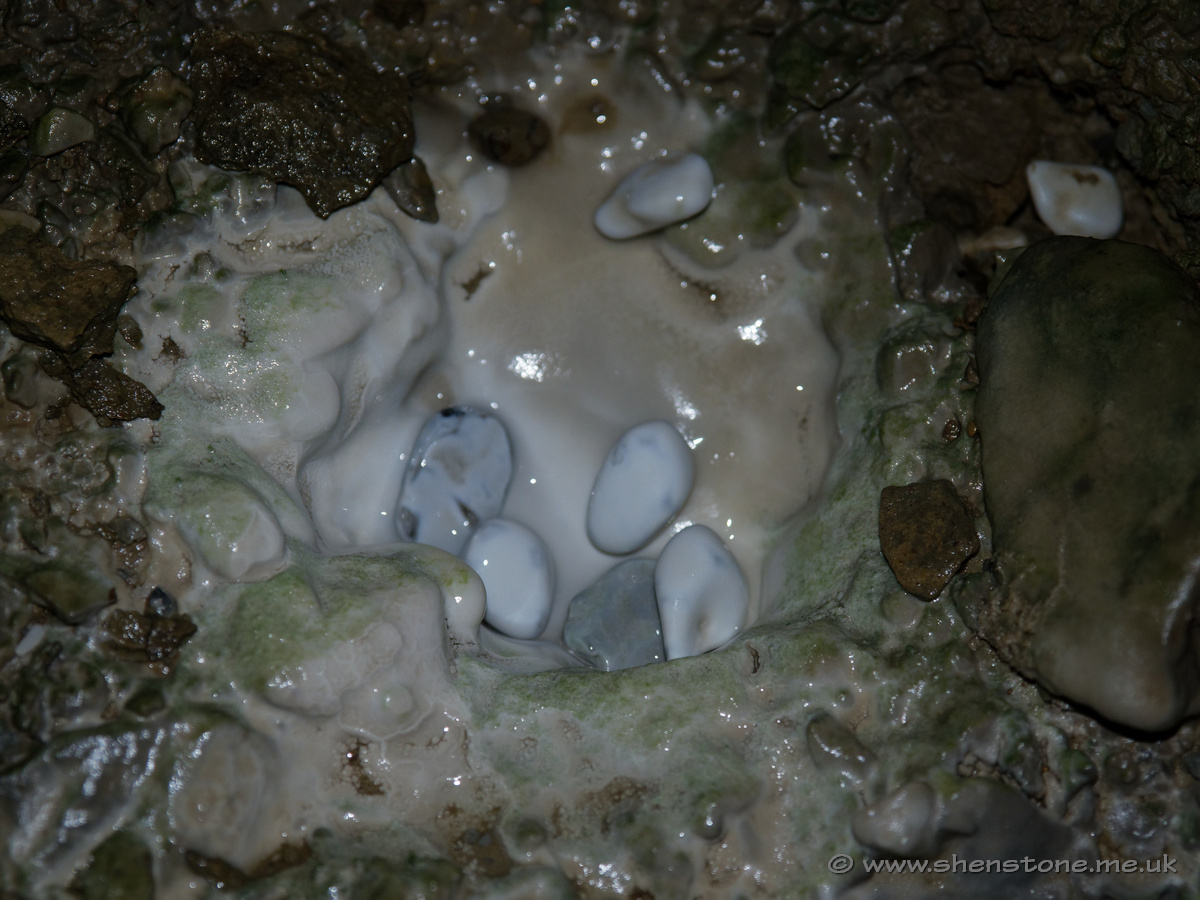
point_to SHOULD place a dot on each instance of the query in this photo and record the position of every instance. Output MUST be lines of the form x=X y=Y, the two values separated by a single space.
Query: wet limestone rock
x=926 y=535
x=1089 y=417
x=50 y=300
x=300 y=111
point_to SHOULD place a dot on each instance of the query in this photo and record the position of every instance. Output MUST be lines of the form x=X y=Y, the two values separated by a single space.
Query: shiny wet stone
x=457 y=476
x=614 y=623
x=517 y=574
x=301 y=111
x=644 y=482
x=1089 y=418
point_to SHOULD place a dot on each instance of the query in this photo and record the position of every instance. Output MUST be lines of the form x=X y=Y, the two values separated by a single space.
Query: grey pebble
x=614 y=623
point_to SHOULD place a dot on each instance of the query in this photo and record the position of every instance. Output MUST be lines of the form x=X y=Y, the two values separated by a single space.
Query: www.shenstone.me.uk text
x=1028 y=864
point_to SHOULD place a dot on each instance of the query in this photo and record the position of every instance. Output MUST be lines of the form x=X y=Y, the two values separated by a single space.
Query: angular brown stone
x=300 y=111
x=107 y=393
x=147 y=638
x=59 y=303
x=926 y=535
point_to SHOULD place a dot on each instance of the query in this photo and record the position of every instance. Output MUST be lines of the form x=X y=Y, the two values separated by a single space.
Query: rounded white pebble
x=1079 y=200
x=517 y=575
x=702 y=595
x=644 y=482
x=457 y=476
x=656 y=194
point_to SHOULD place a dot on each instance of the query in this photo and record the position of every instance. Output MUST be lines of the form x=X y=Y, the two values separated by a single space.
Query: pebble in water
x=702 y=595
x=1078 y=200
x=614 y=623
x=517 y=575
x=457 y=477
x=644 y=482
x=656 y=194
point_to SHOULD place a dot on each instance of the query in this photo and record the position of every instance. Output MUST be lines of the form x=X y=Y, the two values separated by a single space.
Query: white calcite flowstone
x=644 y=482
x=223 y=793
x=901 y=823
x=227 y=523
x=457 y=477
x=702 y=594
x=382 y=706
x=517 y=575
x=656 y=194
x=1078 y=200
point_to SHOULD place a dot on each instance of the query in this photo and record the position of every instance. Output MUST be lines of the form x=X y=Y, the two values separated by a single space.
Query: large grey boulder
x=1089 y=414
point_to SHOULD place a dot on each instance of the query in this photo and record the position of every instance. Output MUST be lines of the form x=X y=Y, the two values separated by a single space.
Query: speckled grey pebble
x=457 y=476
x=614 y=623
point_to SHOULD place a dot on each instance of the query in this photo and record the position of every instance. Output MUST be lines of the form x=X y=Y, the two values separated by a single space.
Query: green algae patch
x=318 y=628
x=283 y=303
x=199 y=306
x=226 y=522
x=275 y=624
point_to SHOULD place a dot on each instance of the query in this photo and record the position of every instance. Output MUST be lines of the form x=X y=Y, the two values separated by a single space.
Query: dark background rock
x=1089 y=417
x=301 y=111
x=511 y=137
x=72 y=309
x=121 y=868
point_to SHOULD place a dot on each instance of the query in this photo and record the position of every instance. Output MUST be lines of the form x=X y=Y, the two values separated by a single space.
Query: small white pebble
x=1079 y=200
x=32 y=638
x=656 y=194
x=517 y=575
x=702 y=595
x=644 y=482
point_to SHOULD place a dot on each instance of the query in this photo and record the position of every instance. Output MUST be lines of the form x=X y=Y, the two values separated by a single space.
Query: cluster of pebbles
x=692 y=600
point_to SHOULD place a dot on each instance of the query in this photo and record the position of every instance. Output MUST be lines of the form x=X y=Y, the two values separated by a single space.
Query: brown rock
x=926 y=535
x=147 y=638
x=300 y=111
x=413 y=191
x=53 y=301
x=109 y=394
